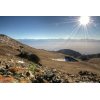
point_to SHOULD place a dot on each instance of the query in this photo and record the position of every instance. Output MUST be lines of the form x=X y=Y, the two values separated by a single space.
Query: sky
x=49 y=27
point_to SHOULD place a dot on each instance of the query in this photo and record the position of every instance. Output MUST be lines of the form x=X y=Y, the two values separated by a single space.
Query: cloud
x=82 y=46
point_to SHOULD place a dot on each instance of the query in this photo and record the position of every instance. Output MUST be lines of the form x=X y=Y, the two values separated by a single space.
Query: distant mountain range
x=70 y=52
x=78 y=55
x=88 y=46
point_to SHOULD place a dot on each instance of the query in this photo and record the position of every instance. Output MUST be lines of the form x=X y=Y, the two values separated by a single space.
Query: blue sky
x=48 y=27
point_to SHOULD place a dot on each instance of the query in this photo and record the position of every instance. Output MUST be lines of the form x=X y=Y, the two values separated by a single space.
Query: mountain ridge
x=22 y=63
x=70 y=52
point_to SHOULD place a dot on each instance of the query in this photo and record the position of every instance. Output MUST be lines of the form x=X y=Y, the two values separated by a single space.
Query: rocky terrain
x=20 y=63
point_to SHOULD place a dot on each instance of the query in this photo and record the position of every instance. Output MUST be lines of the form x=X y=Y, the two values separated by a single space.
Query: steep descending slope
x=9 y=43
x=18 y=60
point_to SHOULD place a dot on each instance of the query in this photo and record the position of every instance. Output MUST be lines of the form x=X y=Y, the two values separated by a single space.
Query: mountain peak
x=4 y=39
x=2 y=35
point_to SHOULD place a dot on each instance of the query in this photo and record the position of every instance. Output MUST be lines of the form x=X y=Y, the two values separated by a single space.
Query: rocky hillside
x=21 y=63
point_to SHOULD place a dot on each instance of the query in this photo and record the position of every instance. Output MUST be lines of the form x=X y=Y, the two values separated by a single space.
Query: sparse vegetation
x=37 y=65
x=32 y=67
x=30 y=56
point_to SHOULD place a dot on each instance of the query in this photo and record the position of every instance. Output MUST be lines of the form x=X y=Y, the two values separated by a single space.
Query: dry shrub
x=17 y=69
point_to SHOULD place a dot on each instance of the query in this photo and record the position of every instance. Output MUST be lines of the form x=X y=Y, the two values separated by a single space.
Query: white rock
x=21 y=62
x=59 y=59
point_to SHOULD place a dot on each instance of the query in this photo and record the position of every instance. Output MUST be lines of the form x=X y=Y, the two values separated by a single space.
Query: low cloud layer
x=82 y=46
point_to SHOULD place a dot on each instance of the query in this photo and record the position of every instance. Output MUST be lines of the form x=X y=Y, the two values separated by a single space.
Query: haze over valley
x=89 y=46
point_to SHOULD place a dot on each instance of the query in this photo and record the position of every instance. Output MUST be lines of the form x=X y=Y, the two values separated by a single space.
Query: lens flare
x=84 y=20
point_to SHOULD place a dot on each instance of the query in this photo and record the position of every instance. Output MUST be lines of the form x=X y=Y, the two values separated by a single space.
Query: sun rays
x=79 y=30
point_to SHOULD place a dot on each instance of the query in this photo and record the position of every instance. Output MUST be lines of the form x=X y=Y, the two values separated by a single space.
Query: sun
x=84 y=20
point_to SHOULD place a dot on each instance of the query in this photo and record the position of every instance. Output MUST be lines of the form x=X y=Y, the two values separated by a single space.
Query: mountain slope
x=22 y=63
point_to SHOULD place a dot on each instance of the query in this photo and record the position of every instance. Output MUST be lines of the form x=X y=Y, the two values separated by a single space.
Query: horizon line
x=51 y=39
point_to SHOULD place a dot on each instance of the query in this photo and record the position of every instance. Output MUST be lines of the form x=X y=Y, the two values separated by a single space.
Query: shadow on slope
x=29 y=56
